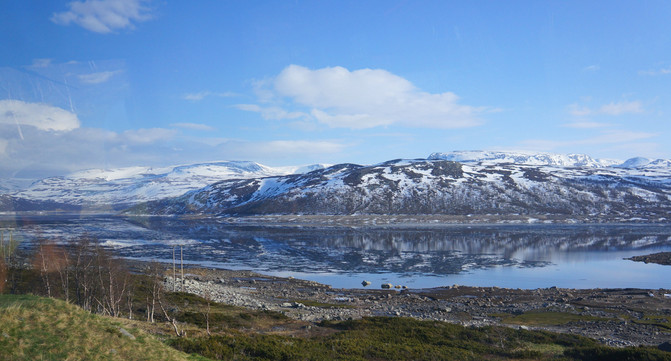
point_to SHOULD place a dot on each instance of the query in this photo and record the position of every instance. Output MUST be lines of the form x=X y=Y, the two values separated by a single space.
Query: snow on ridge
x=137 y=184
x=526 y=158
x=645 y=163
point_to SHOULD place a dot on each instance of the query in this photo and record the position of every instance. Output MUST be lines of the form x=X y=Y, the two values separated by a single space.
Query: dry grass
x=34 y=328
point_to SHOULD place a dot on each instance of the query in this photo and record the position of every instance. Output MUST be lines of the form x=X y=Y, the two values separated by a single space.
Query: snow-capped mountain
x=460 y=183
x=527 y=158
x=436 y=186
x=123 y=187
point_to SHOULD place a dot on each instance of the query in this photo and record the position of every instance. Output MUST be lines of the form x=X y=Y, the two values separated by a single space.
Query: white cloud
x=44 y=153
x=104 y=16
x=194 y=97
x=616 y=137
x=619 y=108
x=40 y=63
x=279 y=149
x=662 y=71
x=361 y=99
x=194 y=126
x=592 y=68
x=98 y=78
x=145 y=136
x=586 y=125
x=271 y=112
x=40 y=115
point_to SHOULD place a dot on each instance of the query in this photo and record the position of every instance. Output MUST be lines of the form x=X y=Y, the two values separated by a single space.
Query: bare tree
x=82 y=257
x=181 y=264
x=51 y=260
x=208 y=297
x=8 y=248
x=174 y=271
x=113 y=280
x=171 y=320
x=3 y=274
x=155 y=275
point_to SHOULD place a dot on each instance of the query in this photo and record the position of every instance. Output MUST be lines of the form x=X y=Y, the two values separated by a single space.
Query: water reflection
x=354 y=251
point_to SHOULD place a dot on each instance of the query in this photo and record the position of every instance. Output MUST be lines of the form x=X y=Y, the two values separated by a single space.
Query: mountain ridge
x=479 y=182
x=434 y=187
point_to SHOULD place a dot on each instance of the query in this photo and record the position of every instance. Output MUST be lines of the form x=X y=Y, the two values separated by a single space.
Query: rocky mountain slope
x=457 y=183
x=124 y=187
x=437 y=186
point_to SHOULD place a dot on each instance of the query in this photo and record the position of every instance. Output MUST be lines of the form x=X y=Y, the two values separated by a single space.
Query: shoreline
x=367 y=220
x=614 y=317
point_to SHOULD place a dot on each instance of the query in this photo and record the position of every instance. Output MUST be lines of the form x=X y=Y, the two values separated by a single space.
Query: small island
x=663 y=258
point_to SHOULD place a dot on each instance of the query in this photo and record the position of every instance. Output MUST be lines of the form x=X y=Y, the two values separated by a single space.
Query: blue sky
x=101 y=84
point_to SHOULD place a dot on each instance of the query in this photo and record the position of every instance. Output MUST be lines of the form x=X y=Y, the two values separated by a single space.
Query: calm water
x=527 y=256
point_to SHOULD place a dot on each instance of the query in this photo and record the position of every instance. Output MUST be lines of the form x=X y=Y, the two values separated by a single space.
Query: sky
x=106 y=84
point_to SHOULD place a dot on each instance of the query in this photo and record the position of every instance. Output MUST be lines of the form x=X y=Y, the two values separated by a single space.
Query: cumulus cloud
x=359 y=99
x=613 y=108
x=104 y=16
x=97 y=78
x=41 y=116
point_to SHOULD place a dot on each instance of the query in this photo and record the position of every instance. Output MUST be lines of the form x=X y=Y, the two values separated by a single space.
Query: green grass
x=661 y=322
x=193 y=310
x=545 y=318
x=37 y=328
x=381 y=338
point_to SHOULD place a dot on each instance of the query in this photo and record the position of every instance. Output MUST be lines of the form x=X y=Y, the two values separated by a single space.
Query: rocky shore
x=663 y=258
x=616 y=317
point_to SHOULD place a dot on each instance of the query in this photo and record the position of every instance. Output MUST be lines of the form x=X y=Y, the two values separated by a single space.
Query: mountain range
x=457 y=183
x=120 y=188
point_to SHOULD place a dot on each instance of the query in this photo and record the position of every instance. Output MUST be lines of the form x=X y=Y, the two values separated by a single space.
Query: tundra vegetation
x=80 y=301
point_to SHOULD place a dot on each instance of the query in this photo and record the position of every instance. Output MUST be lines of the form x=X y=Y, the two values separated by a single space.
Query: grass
x=545 y=318
x=193 y=310
x=382 y=338
x=37 y=328
x=663 y=323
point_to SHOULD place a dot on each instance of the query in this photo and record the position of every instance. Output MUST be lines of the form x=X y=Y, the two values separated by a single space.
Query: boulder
x=665 y=346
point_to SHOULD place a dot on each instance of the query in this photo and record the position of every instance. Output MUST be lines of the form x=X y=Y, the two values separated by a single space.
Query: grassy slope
x=36 y=328
x=385 y=338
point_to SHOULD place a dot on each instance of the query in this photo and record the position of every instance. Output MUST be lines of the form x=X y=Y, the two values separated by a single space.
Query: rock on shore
x=616 y=317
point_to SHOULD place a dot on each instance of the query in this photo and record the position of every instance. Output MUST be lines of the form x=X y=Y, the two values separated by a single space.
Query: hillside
x=36 y=328
x=438 y=187
x=114 y=189
x=461 y=183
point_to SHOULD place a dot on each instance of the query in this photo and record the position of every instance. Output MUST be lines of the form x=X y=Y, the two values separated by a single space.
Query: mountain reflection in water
x=375 y=253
